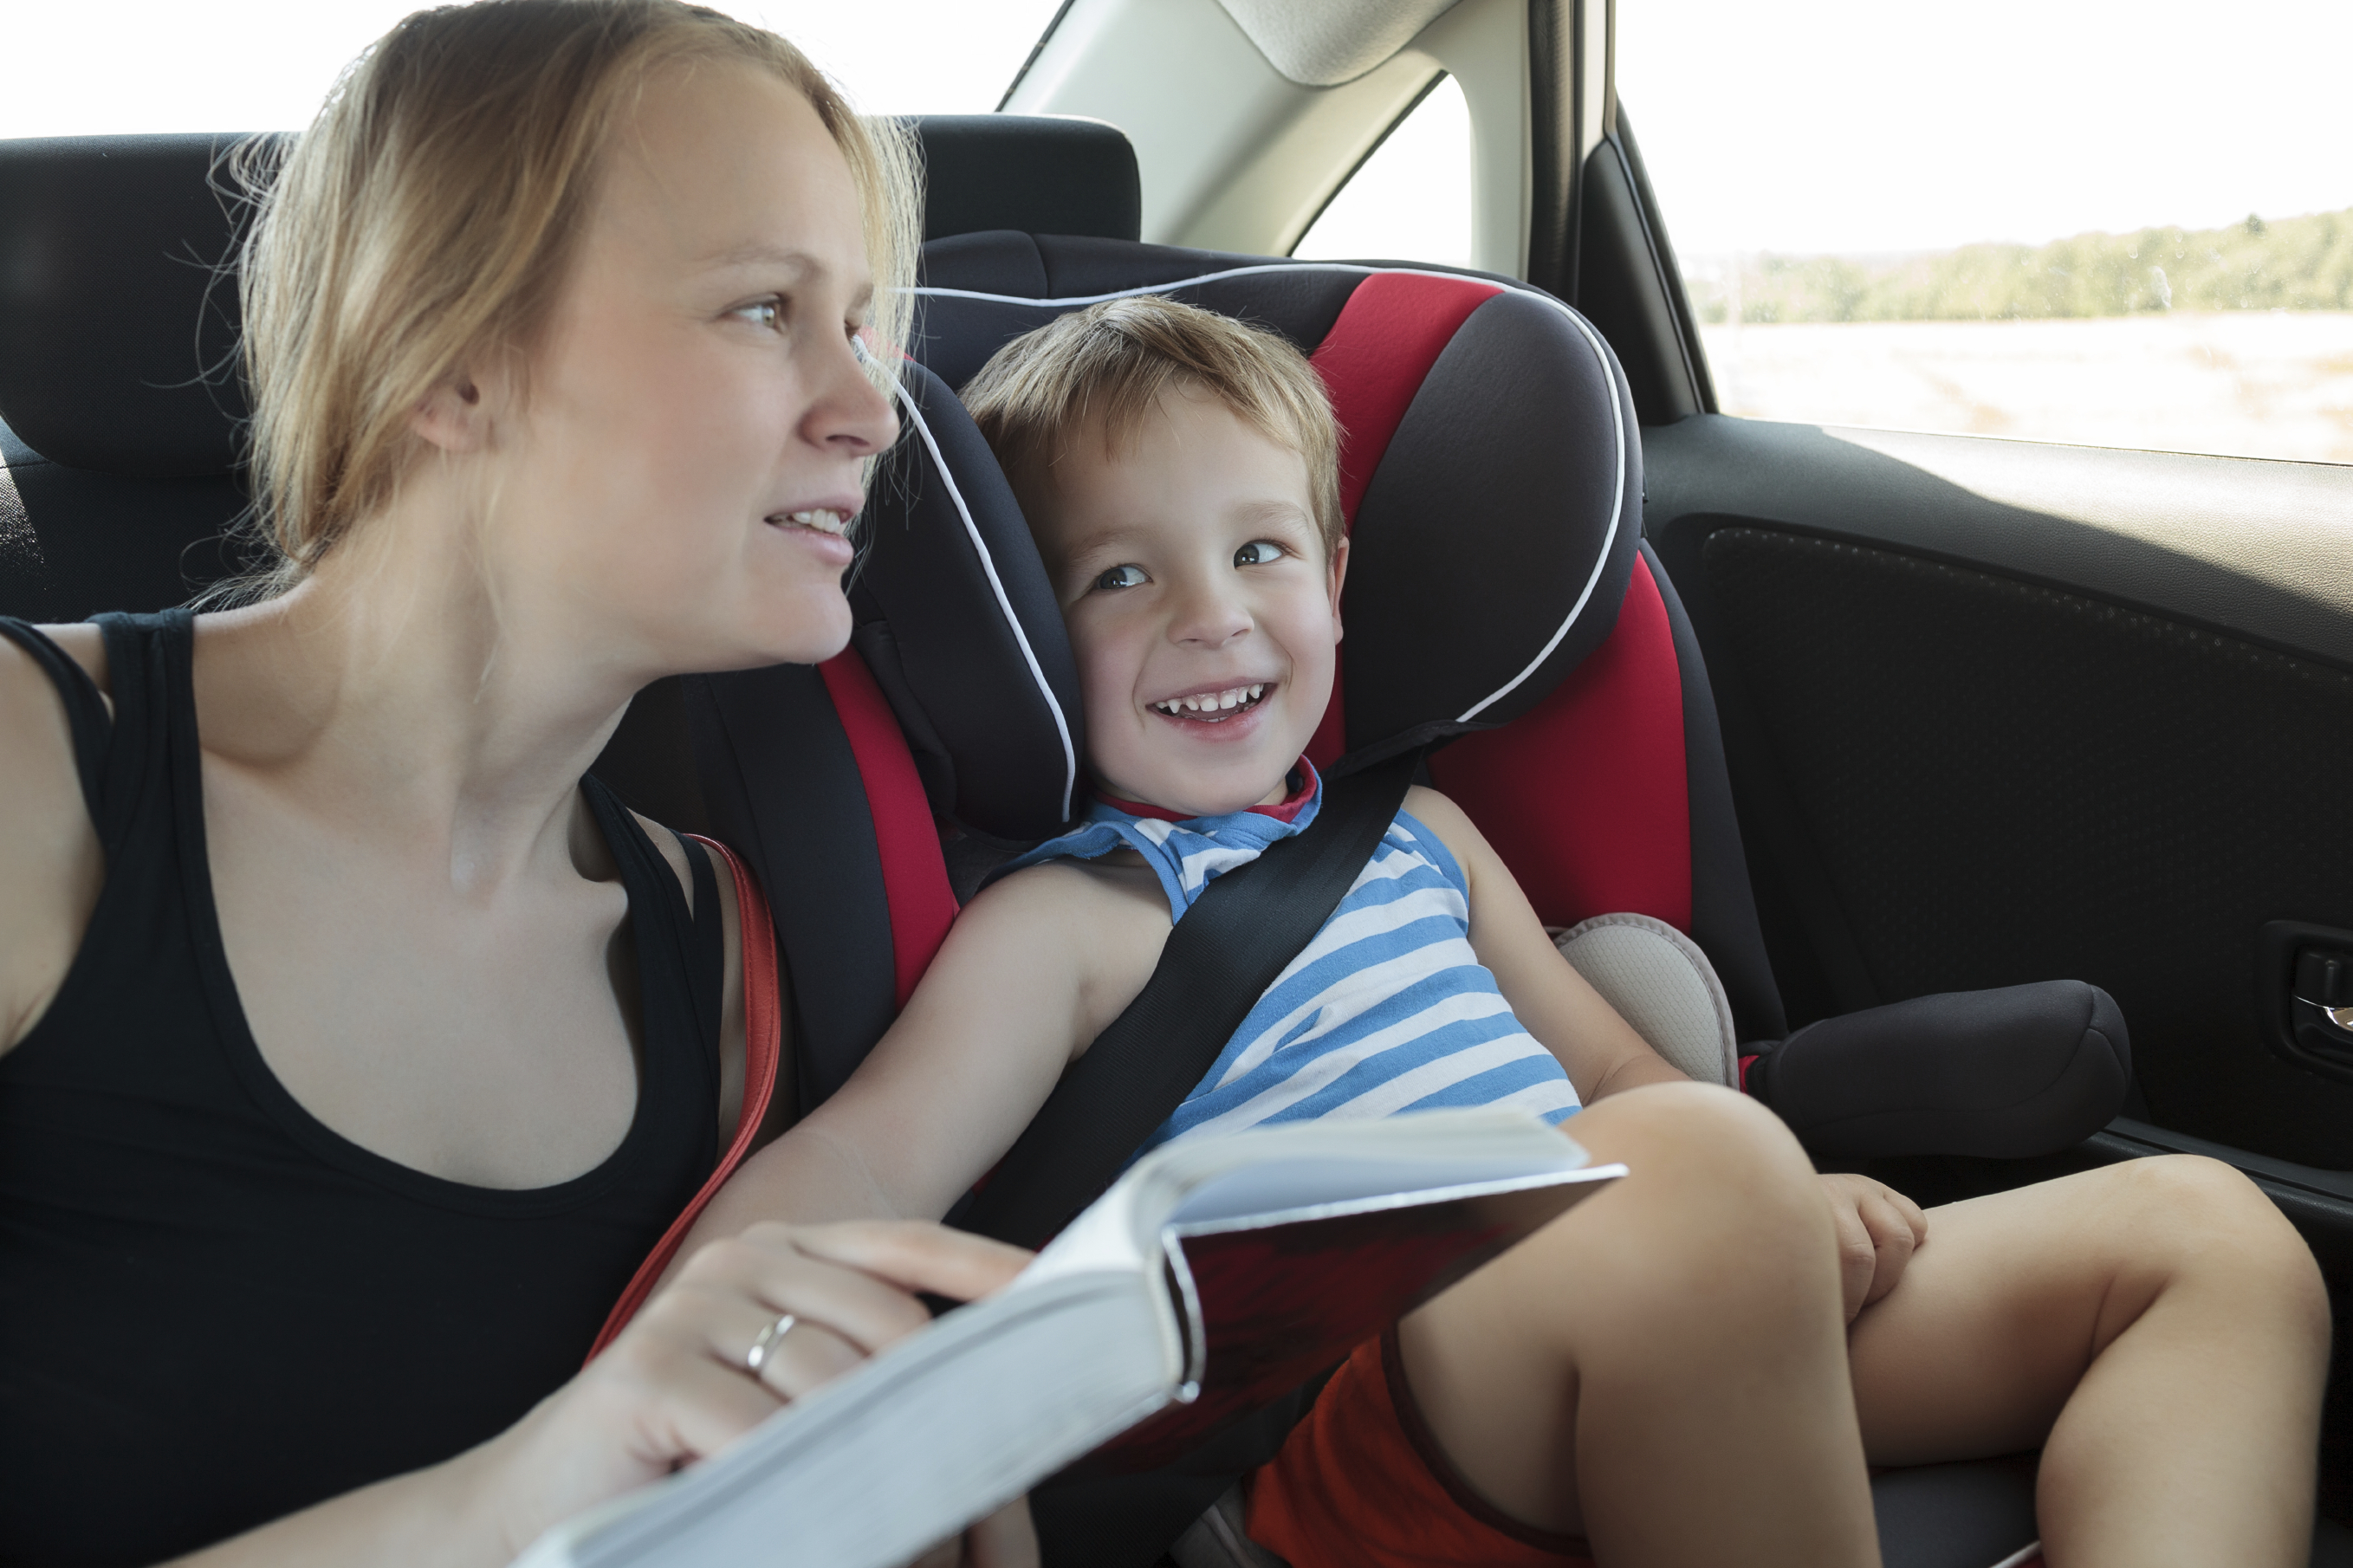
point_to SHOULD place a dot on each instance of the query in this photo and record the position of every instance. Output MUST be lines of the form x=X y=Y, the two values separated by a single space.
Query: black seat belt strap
x=1234 y=943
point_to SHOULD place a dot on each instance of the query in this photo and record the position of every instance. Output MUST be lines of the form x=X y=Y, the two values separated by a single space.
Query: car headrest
x=117 y=322
x=119 y=318
x=1042 y=173
x=1491 y=468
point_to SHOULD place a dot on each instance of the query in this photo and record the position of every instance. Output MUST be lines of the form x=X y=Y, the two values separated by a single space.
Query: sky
x=94 y=66
x=1860 y=126
x=1849 y=126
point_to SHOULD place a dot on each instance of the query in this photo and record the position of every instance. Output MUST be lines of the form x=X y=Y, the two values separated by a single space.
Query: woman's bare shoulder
x=49 y=862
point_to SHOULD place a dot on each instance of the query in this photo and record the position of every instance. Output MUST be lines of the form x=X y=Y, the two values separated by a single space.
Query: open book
x=1216 y=1275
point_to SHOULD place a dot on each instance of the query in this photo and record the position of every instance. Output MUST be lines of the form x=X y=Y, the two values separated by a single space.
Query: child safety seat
x=1500 y=599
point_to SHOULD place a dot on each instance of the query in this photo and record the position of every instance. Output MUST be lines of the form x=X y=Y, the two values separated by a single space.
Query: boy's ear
x=1339 y=571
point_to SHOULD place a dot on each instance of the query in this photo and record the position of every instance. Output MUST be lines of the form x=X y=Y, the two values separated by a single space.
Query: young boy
x=1667 y=1374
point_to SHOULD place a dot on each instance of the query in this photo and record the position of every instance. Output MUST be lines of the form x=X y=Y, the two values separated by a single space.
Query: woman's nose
x=851 y=416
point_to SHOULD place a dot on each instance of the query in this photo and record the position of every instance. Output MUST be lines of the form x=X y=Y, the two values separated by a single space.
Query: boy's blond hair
x=1106 y=366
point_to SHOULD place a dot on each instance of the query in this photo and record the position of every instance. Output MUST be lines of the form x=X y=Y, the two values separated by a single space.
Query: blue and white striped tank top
x=1387 y=1011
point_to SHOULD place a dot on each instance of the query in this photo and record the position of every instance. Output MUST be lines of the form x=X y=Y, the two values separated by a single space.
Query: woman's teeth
x=822 y=518
x=1211 y=701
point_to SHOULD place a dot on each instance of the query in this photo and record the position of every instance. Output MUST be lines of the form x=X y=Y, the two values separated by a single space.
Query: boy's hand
x=1878 y=1228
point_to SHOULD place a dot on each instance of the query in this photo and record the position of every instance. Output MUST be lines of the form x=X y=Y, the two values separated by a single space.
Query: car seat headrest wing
x=957 y=621
x=118 y=321
x=1496 y=535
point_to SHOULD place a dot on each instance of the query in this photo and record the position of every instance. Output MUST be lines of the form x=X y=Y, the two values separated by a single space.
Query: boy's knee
x=1714 y=1136
x=2203 y=1217
x=1721 y=1176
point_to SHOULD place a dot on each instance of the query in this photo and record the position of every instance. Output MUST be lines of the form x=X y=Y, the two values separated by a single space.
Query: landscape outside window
x=2059 y=220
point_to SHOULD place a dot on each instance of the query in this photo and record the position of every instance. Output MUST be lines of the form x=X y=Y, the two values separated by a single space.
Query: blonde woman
x=352 y=1049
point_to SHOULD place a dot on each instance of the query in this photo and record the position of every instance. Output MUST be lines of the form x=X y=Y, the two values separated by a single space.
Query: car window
x=2051 y=219
x=121 y=66
x=1410 y=201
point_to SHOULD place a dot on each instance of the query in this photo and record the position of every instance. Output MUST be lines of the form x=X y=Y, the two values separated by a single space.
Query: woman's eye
x=1121 y=577
x=768 y=313
x=1258 y=552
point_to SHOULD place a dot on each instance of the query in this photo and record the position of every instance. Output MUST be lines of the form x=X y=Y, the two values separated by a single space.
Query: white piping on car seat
x=1617 y=414
x=2021 y=1557
x=996 y=587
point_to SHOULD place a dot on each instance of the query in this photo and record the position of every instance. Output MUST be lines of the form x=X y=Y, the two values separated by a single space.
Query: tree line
x=2293 y=263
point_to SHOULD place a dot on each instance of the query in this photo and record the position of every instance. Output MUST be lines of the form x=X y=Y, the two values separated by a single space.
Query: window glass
x=2060 y=220
x=1410 y=201
x=79 y=68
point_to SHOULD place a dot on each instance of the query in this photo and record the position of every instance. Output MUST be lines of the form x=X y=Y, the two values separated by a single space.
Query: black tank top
x=214 y=1311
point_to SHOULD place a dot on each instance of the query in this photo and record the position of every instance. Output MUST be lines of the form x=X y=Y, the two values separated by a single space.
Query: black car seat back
x=119 y=390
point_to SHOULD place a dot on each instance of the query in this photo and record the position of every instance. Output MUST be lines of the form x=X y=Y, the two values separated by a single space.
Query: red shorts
x=1361 y=1484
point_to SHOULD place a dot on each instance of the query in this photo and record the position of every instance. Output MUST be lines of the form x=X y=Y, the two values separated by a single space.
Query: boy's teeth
x=1212 y=702
x=823 y=519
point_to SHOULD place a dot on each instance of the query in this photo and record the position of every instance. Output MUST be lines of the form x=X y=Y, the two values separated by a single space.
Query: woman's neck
x=411 y=689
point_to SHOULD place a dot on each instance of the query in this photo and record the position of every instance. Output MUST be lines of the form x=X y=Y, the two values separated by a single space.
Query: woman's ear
x=455 y=416
x=1339 y=574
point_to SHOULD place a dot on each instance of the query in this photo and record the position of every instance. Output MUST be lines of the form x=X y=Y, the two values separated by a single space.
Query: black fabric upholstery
x=1041 y=175
x=118 y=329
x=1724 y=910
x=648 y=761
x=2003 y=1074
x=954 y=336
x=782 y=789
x=118 y=384
x=1974 y=1514
x=2025 y=755
x=74 y=541
x=1437 y=624
x=947 y=556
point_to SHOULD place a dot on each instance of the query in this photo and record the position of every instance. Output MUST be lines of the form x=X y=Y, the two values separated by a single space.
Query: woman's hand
x=1878 y=1230
x=675 y=1385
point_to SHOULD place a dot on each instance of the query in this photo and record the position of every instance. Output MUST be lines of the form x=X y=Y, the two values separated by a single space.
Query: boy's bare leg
x=1662 y=1369
x=2183 y=1312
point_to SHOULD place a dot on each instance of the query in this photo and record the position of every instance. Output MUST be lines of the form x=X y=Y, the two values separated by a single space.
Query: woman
x=356 y=1050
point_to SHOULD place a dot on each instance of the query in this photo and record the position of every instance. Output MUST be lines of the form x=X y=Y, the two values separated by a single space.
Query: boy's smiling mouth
x=1213 y=707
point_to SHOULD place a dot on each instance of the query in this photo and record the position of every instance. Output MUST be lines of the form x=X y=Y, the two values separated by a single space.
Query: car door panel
x=1998 y=711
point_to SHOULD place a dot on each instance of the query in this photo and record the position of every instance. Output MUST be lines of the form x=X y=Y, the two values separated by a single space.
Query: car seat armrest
x=2003 y=1074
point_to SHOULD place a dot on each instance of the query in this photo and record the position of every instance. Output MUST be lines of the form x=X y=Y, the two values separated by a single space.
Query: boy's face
x=1203 y=613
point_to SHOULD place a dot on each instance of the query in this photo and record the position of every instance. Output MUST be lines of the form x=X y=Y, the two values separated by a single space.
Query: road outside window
x=1410 y=201
x=2058 y=220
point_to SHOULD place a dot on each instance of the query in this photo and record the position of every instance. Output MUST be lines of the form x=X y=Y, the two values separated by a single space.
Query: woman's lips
x=821 y=530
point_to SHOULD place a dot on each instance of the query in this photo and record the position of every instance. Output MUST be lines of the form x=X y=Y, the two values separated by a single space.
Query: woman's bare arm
x=1601 y=1051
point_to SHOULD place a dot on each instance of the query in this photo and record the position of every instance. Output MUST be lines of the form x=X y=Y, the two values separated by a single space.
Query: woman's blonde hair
x=1101 y=370
x=429 y=212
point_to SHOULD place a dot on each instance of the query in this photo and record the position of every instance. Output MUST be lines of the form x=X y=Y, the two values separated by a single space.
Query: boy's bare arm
x=1601 y=1051
x=1030 y=972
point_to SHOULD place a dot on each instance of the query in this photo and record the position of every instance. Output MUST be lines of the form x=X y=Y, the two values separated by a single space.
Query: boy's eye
x=761 y=313
x=1258 y=552
x=1122 y=577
